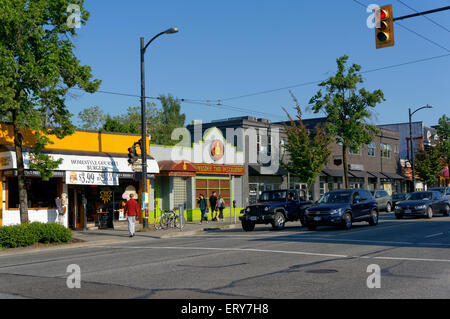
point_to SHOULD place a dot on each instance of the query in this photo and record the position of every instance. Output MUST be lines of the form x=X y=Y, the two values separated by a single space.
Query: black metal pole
x=144 y=137
x=422 y=13
x=411 y=152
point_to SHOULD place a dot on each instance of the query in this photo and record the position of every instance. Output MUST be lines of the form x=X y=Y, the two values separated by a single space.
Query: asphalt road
x=412 y=254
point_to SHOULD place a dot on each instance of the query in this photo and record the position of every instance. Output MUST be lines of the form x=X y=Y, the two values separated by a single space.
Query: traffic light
x=384 y=26
x=132 y=155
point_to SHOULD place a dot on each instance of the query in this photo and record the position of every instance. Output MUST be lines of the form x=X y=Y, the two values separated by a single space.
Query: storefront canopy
x=81 y=163
x=393 y=175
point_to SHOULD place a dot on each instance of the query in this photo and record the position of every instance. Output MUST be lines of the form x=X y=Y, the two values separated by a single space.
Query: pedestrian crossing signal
x=384 y=26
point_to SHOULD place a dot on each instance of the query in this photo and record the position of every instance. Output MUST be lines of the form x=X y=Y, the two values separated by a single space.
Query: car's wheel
x=278 y=221
x=398 y=216
x=429 y=213
x=248 y=226
x=388 y=207
x=373 y=221
x=347 y=221
x=447 y=210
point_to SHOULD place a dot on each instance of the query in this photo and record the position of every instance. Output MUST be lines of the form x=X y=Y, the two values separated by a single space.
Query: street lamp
x=411 y=143
x=144 y=123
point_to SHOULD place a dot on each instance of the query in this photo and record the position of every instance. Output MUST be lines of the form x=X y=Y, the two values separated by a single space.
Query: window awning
x=359 y=174
x=81 y=163
x=376 y=174
x=333 y=172
x=393 y=175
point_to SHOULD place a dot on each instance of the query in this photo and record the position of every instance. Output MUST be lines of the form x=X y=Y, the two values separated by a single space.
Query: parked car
x=384 y=200
x=444 y=191
x=341 y=208
x=398 y=198
x=424 y=204
x=276 y=208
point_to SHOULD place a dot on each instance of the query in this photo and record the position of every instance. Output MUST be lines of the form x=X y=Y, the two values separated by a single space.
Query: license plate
x=407 y=211
x=253 y=218
x=317 y=219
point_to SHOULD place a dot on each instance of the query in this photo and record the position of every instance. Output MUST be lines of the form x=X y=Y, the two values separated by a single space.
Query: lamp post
x=144 y=123
x=411 y=143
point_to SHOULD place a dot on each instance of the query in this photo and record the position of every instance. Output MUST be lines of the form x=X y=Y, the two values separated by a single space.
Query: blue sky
x=231 y=48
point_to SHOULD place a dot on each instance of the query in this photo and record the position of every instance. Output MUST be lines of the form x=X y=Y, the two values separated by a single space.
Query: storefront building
x=94 y=177
x=211 y=164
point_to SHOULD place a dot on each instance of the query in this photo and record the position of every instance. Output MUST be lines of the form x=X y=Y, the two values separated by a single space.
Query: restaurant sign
x=220 y=169
x=92 y=178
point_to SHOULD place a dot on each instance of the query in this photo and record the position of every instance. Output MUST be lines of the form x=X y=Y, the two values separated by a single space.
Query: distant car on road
x=398 y=198
x=341 y=208
x=384 y=201
x=424 y=204
x=276 y=208
x=444 y=191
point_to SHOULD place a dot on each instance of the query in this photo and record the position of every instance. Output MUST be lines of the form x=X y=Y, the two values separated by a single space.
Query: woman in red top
x=131 y=211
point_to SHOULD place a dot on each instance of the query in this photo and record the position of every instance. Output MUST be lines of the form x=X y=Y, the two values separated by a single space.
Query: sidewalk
x=120 y=231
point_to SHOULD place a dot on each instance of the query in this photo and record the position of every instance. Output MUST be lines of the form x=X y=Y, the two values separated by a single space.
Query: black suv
x=341 y=208
x=276 y=208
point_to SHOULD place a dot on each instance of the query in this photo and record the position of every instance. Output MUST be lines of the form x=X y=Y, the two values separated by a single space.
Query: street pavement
x=223 y=261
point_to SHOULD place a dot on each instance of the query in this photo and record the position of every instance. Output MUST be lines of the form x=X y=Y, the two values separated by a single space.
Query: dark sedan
x=424 y=204
x=398 y=198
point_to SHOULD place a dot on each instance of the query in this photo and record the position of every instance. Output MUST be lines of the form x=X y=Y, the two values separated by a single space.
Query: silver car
x=383 y=199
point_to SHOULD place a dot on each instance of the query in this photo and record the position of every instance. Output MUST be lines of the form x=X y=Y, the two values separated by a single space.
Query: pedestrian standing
x=221 y=205
x=131 y=211
x=203 y=208
x=213 y=206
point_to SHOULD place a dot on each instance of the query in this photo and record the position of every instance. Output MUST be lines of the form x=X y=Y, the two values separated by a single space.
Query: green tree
x=170 y=119
x=443 y=133
x=347 y=108
x=308 y=153
x=92 y=118
x=160 y=122
x=428 y=165
x=37 y=68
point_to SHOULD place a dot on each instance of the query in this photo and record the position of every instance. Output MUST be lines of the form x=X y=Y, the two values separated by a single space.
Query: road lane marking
x=434 y=235
x=287 y=252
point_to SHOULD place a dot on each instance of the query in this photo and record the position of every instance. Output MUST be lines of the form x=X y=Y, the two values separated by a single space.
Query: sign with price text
x=92 y=178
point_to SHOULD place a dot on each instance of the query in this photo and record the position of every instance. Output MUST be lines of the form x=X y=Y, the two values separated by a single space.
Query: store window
x=371 y=149
x=355 y=151
x=207 y=186
x=40 y=194
x=386 y=150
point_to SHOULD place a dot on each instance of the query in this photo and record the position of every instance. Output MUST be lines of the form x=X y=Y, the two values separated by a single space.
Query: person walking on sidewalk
x=213 y=206
x=203 y=208
x=221 y=206
x=131 y=211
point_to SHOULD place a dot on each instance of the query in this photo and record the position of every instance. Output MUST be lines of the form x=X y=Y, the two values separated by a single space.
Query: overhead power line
x=429 y=19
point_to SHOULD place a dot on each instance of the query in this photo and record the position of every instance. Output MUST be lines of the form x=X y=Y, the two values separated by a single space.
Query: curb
x=28 y=250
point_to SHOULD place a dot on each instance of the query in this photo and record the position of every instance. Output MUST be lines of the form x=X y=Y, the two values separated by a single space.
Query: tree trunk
x=344 y=161
x=23 y=197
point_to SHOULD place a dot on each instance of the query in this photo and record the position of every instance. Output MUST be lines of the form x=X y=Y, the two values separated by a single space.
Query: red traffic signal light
x=132 y=155
x=384 y=26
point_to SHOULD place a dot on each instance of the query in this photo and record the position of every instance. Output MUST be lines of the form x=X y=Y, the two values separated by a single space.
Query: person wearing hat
x=131 y=211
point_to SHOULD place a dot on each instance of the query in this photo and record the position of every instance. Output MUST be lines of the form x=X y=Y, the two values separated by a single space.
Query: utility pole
x=144 y=195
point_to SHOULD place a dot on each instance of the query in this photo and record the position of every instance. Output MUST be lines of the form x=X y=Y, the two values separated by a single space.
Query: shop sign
x=219 y=169
x=92 y=178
